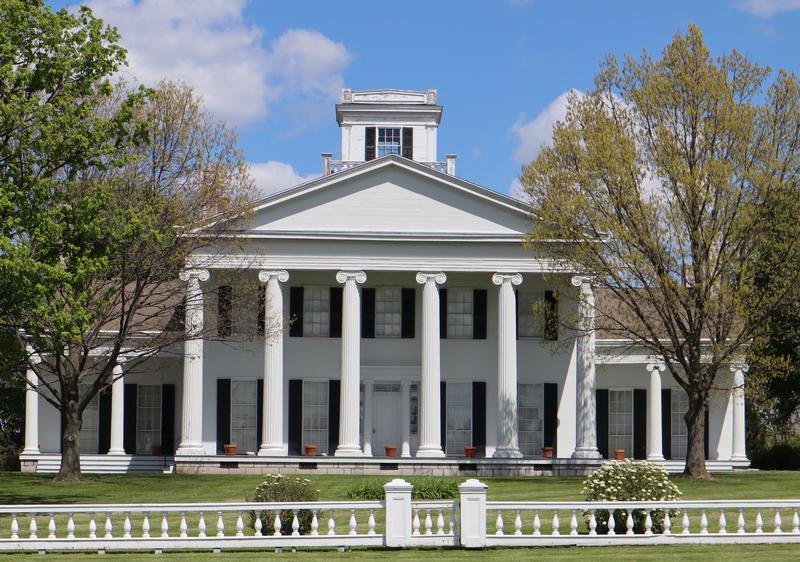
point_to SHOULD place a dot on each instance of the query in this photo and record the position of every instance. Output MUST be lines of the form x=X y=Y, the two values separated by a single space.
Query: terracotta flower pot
x=310 y=450
x=470 y=451
x=391 y=450
x=155 y=450
x=547 y=452
x=229 y=449
x=619 y=454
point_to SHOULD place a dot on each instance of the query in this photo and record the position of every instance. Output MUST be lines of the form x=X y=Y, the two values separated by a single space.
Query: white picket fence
x=471 y=521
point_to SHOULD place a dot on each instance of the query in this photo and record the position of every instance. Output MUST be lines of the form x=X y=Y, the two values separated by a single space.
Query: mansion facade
x=386 y=318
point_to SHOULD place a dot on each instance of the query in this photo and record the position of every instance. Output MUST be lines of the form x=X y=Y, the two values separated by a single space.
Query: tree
x=660 y=184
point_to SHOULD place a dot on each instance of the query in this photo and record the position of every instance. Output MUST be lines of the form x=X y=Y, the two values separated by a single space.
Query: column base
x=586 y=453
x=29 y=452
x=655 y=458
x=190 y=451
x=348 y=451
x=430 y=451
x=741 y=458
x=274 y=450
x=507 y=453
x=116 y=452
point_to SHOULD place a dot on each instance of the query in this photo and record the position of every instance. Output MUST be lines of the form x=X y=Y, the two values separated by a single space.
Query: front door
x=386 y=414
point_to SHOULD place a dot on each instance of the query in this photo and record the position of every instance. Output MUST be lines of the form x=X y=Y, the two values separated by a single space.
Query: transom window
x=315 y=414
x=531 y=322
x=90 y=425
x=148 y=417
x=530 y=416
x=388 y=141
x=388 y=310
x=459 y=313
x=620 y=421
x=679 y=406
x=459 y=417
x=316 y=311
x=244 y=415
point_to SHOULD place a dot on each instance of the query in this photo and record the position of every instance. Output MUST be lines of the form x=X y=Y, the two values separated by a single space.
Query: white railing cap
x=472 y=485
x=398 y=485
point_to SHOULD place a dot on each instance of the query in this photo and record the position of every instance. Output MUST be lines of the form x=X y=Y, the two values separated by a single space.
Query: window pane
x=459 y=418
x=148 y=417
x=244 y=415
x=620 y=421
x=315 y=415
x=531 y=324
x=459 y=313
x=530 y=416
x=316 y=311
x=388 y=305
x=679 y=407
x=88 y=440
x=388 y=141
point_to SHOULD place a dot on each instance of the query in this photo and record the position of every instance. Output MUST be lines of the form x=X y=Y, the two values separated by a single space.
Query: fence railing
x=470 y=521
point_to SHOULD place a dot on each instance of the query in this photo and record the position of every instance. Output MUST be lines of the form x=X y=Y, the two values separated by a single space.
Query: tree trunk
x=695 y=447
x=70 y=470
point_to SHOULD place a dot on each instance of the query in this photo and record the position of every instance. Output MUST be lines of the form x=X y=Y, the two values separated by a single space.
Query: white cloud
x=767 y=8
x=273 y=176
x=207 y=44
x=535 y=133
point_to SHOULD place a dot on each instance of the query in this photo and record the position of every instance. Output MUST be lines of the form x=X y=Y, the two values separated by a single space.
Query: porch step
x=107 y=464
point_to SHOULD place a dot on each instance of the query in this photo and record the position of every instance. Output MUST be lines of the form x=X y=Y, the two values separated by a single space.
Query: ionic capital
x=199 y=274
x=500 y=278
x=655 y=364
x=358 y=276
x=739 y=366
x=438 y=277
x=581 y=280
x=281 y=274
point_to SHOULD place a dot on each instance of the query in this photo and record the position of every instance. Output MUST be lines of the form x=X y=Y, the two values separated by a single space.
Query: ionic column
x=430 y=433
x=117 y=409
x=586 y=431
x=507 y=430
x=272 y=443
x=367 y=418
x=405 y=418
x=655 y=450
x=192 y=413
x=738 y=452
x=31 y=409
x=351 y=363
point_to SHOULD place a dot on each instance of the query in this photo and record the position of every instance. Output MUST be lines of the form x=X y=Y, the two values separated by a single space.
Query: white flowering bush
x=282 y=488
x=629 y=481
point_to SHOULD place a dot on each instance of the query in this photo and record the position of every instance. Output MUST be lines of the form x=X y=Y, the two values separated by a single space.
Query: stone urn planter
x=310 y=450
x=229 y=449
x=619 y=454
x=470 y=451
x=547 y=452
x=391 y=450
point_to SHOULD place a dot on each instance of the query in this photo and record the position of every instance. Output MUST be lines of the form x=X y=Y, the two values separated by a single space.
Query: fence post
x=398 y=513
x=473 y=513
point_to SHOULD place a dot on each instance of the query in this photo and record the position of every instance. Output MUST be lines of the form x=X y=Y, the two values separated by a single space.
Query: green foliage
x=780 y=456
x=425 y=488
x=629 y=481
x=281 y=488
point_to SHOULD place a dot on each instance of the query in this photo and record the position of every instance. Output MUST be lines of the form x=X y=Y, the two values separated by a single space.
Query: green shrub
x=629 y=481
x=280 y=488
x=782 y=456
x=371 y=489
x=427 y=488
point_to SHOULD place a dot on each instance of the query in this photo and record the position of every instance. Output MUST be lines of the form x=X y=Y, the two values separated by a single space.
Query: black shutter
x=259 y=412
x=408 y=143
x=369 y=152
x=367 y=313
x=224 y=311
x=167 y=419
x=479 y=314
x=550 y=417
x=706 y=448
x=296 y=312
x=334 y=390
x=666 y=422
x=129 y=423
x=639 y=423
x=295 y=416
x=443 y=414
x=551 y=316
x=479 y=417
x=602 y=421
x=262 y=310
x=407 y=320
x=443 y=313
x=104 y=421
x=223 y=413
x=335 y=316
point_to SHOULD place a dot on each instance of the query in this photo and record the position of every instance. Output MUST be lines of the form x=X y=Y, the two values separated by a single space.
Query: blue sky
x=275 y=68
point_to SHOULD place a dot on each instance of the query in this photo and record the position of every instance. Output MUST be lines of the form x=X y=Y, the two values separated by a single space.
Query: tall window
x=244 y=415
x=316 y=311
x=245 y=309
x=620 y=421
x=459 y=417
x=315 y=414
x=148 y=417
x=459 y=313
x=388 y=141
x=530 y=418
x=388 y=308
x=90 y=425
x=531 y=323
x=679 y=406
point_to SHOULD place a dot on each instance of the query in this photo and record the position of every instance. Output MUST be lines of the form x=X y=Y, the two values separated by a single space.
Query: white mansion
x=399 y=318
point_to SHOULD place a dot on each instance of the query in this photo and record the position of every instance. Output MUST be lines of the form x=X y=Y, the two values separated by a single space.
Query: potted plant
x=310 y=450
x=619 y=454
x=230 y=449
x=391 y=450
x=470 y=451
x=155 y=450
x=547 y=452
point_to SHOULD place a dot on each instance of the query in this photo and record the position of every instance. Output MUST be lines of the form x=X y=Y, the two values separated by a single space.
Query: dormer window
x=381 y=141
